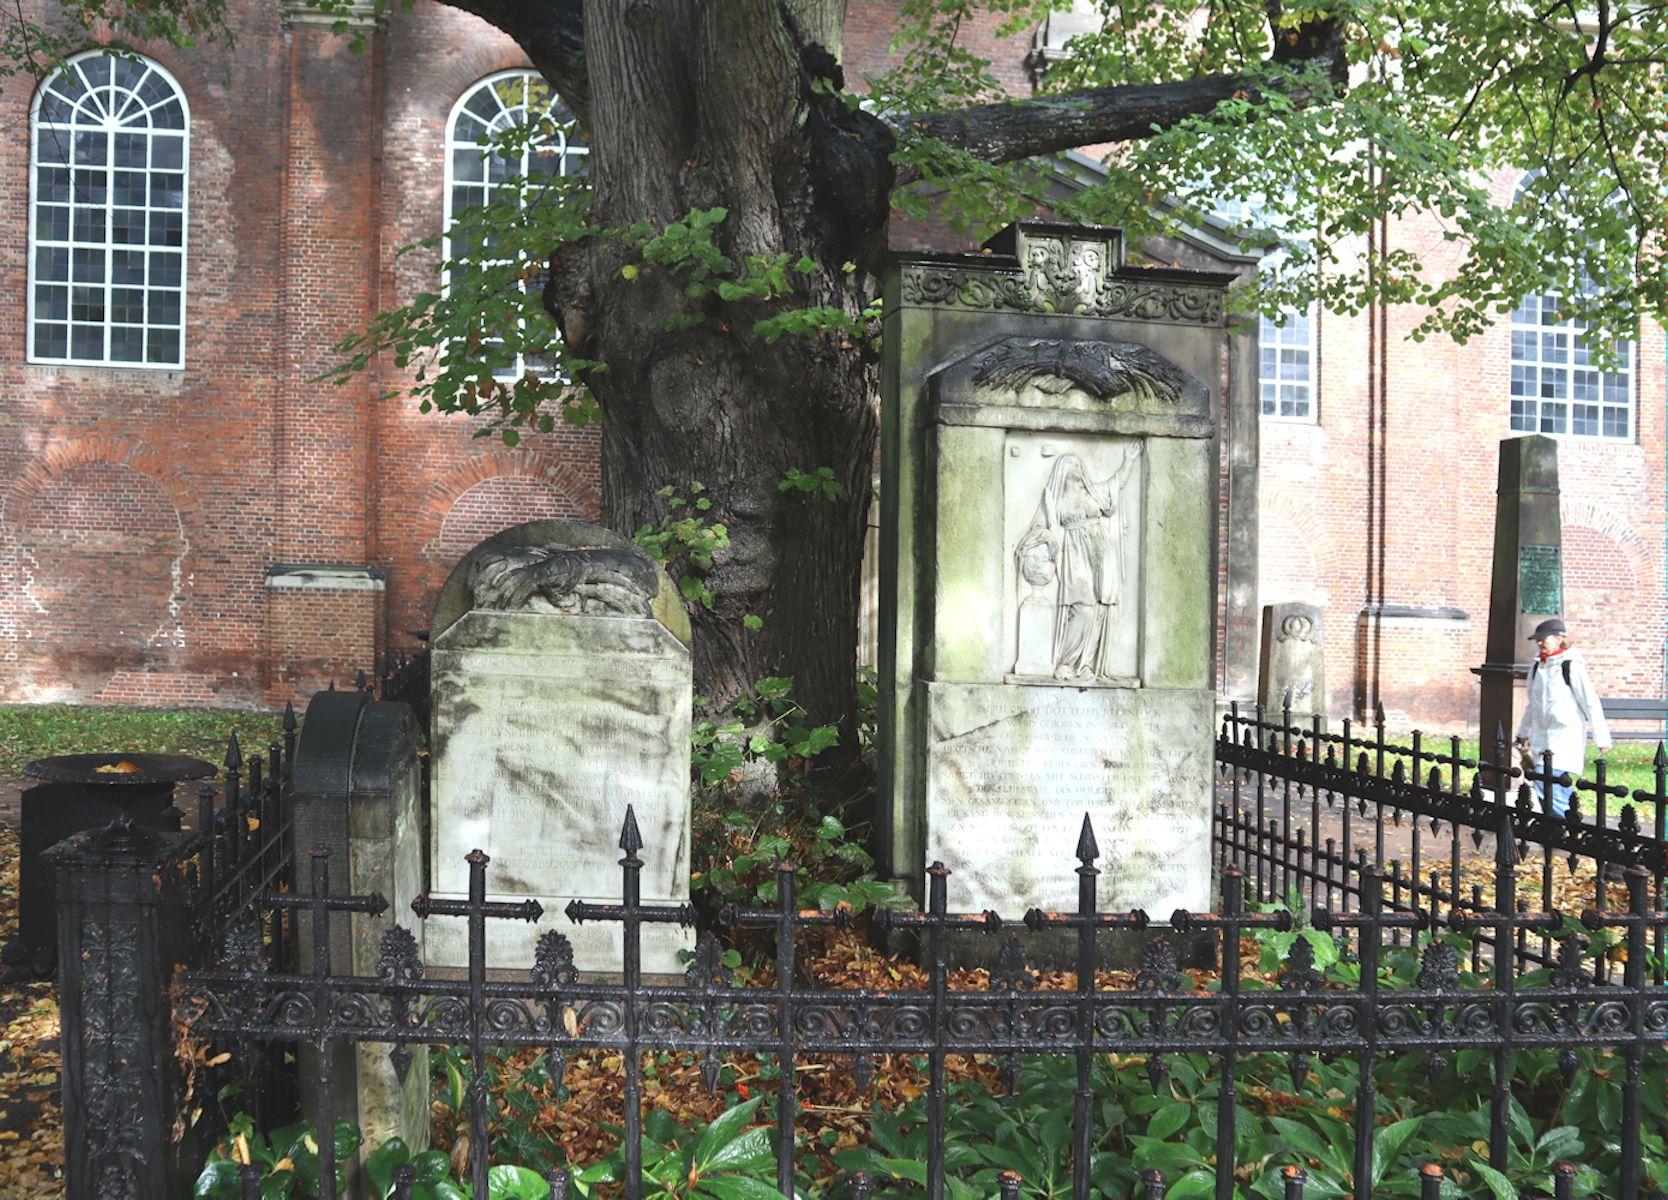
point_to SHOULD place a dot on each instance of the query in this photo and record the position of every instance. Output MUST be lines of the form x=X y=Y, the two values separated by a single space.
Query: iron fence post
x=1083 y=1101
x=1233 y=898
x=786 y=1103
x=120 y=926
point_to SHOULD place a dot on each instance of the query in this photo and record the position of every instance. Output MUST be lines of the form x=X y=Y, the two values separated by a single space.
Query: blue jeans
x=1559 y=803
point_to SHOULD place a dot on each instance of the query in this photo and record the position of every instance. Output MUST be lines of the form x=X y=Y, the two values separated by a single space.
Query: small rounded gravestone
x=560 y=696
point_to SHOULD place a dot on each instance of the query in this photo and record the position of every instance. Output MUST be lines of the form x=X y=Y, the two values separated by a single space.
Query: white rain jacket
x=1556 y=715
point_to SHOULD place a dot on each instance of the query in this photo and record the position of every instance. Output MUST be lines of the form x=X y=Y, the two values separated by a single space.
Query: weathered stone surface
x=561 y=566
x=1047 y=533
x=1011 y=771
x=546 y=726
x=1293 y=664
x=358 y=792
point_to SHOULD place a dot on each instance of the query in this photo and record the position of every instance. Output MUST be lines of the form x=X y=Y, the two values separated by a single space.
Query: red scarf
x=1552 y=654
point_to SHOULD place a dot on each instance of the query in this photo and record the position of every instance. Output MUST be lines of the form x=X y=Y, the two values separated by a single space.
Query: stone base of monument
x=1012 y=771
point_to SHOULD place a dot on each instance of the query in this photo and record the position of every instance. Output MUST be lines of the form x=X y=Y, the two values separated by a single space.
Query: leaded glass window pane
x=1555 y=389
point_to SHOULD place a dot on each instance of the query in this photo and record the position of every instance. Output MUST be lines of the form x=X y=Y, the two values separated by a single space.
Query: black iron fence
x=221 y=900
x=1304 y=810
x=547 y=1006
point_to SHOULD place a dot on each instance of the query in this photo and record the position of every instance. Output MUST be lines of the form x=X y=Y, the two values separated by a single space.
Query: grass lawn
x=1630 y=764
x=31 y=731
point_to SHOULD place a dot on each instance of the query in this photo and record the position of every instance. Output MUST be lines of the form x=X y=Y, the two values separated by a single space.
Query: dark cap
x=1547 y=628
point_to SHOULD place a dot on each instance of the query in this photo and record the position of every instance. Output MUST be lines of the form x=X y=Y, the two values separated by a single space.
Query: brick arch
x=1615 y=608
x=113 y=448
x=94 y=574
x=577 y=495
x=1608 y=520
x=1291 y=540
x=508 y=487
x=456 y=75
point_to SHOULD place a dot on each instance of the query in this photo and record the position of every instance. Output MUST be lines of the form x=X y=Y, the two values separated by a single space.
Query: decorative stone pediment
x=1064 y=270
x=1036 y=371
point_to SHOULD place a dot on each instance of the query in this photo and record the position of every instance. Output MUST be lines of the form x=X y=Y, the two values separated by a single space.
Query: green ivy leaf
x=515 y=1183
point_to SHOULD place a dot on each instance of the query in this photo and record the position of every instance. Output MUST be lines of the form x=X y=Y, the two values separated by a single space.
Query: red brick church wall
x=143 y=513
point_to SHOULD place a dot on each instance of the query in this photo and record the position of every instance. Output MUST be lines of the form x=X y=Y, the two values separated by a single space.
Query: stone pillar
x=357 y=790
x=330 y=251
x=1242 y=411
x=1527 y=584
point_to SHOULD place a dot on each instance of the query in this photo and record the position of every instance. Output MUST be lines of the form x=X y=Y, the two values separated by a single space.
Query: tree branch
x=1006 y=132
x=552 y=33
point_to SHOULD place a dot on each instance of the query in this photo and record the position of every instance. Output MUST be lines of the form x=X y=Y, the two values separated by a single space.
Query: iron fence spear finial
x=234 y=754
x=1430 y=1181
x=631 y=838
x=1088 y=850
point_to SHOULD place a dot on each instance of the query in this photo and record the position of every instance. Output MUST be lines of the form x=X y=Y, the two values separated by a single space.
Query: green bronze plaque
x=1540 y=579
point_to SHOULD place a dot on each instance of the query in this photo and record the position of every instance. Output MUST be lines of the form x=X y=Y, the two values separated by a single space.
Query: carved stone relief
x=1074 y=531
x=1060 y=274
x=605 y=581
x=1040 y=372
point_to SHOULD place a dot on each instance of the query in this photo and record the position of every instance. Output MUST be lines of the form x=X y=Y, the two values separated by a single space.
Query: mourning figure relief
x=1071 y=558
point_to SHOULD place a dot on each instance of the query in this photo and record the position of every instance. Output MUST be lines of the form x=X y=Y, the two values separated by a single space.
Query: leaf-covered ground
x=31 y=1121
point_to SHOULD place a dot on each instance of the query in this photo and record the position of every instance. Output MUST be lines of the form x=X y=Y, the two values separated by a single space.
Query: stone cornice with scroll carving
x=939 y=285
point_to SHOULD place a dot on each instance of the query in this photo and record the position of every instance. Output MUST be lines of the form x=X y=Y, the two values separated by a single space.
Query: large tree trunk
x=702 y=105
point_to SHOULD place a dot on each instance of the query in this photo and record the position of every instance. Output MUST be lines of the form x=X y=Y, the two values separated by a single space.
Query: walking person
x=1562 y=702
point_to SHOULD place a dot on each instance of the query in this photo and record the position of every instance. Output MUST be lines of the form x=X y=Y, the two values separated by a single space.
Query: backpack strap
x=1566 y=665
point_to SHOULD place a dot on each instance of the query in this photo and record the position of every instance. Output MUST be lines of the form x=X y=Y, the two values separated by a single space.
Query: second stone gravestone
x=1293 y=666
x=560 y=694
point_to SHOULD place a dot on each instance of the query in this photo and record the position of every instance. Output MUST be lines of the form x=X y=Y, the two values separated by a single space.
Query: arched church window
x=109 y=155
x=479 y=172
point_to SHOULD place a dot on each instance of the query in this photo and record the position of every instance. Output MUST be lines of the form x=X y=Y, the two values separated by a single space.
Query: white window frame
x=1548 y=378
x=1278 y=343
x=1559 y=364
x=1287 y=340
x=106 y=247
x=565 y=148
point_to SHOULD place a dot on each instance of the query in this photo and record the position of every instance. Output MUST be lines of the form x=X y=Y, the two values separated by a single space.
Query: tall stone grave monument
x=559 y=694
x=1527 y=585
x=1048 y=563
